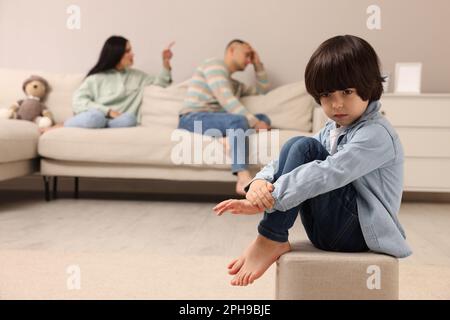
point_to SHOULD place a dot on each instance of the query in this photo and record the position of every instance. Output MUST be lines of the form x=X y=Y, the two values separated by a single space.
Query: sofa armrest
x=319 y=119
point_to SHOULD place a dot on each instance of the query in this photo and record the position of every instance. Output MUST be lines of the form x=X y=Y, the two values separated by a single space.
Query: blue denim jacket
x=370 y=156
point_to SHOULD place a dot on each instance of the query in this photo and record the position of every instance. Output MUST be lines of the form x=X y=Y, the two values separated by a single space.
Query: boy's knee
x=307 y=141
x=309 y=144
x=293 y=140
x=310 y=141
x=301 y=141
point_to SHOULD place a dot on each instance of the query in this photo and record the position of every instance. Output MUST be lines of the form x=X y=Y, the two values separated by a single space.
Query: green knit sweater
x=115 y=90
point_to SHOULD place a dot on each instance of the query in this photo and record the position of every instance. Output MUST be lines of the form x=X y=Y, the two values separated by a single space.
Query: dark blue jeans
x=222 y=122
x=330 y=219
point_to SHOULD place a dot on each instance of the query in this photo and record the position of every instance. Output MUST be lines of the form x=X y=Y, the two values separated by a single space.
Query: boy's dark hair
x=345 y=62
x=233 y=42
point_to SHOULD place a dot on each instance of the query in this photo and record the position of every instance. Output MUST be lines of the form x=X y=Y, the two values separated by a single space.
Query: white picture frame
x=408 y=77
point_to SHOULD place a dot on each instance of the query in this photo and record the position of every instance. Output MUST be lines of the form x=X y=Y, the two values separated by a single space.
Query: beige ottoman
x=307 y=273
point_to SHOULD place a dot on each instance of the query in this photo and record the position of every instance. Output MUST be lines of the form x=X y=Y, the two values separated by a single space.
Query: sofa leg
x=76 y=188
x=47 y=188
x=55 y=187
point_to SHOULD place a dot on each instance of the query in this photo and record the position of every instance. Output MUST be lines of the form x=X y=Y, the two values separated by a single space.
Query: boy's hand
x=236 y=207
x=260 y=194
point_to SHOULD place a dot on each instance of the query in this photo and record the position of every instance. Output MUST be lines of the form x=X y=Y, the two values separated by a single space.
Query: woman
x=111 y=94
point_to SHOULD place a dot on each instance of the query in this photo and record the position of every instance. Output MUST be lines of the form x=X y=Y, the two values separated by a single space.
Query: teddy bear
x=31 y=108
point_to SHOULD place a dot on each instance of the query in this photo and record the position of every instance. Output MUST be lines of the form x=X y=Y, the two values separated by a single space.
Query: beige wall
x=33 y=34
x=2 y=38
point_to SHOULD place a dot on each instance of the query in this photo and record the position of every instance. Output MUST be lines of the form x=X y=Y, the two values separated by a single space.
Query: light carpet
x=56 y=275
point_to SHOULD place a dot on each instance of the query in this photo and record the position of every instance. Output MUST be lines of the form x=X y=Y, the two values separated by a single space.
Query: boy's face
x=344 y=107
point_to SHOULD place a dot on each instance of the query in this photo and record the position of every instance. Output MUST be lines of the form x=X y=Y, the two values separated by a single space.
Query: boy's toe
x=236 y=267
x=241 y=279
x=246 y=278
x=232 y=263
x=252 y=278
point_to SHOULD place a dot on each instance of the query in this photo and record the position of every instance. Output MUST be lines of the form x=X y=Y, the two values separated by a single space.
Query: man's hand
x=113 y=114
x=261 y=125
x=256 y=61
x=260 y=194
x=167 y=56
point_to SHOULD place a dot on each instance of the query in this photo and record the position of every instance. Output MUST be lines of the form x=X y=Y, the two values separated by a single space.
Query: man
x=213 y=99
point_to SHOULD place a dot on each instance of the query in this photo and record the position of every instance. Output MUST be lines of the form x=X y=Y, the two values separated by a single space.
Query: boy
x=346 y=181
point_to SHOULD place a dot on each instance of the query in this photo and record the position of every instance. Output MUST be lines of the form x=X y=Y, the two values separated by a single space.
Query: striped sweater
x=211 y=89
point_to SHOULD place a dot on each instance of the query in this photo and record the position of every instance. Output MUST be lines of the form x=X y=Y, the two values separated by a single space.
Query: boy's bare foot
x=244 y=178
x=257 y=258
x=237 y=207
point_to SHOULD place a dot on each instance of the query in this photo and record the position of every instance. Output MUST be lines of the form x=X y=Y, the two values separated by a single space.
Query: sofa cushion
x=59 y=100
x=18 y=140
x=157 y=145
x=289 y=107
x=162 y=105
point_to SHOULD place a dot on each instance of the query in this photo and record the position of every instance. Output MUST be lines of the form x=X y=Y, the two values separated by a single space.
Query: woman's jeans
x=330 y=219
x=221 y=122
x=95 y=119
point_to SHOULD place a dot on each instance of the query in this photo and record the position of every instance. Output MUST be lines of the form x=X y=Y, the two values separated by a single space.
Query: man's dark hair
x=345 y=62
x=235 y=41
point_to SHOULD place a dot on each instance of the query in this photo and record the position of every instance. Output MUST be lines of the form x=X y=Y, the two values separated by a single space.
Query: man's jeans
x=95 y=119
x=222 y=122
x=330 y=220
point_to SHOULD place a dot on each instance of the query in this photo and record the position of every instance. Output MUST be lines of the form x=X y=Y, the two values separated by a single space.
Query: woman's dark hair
x=345 y=62
x=112 y=52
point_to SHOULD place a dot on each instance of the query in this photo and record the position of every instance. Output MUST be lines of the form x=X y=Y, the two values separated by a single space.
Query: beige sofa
x=18 y=149
x=155 y=149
